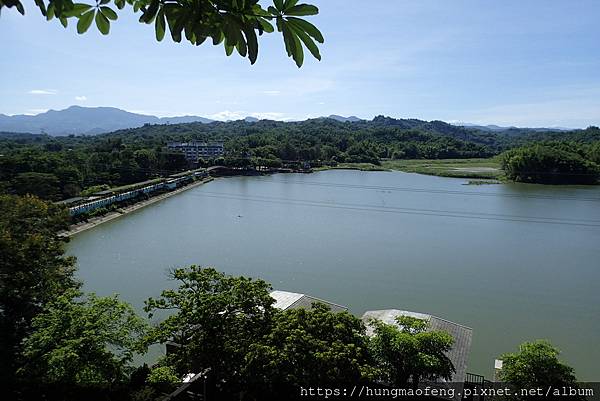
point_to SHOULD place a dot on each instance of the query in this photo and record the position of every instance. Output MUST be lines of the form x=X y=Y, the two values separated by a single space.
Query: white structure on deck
x=292 y=300
x=459 y=354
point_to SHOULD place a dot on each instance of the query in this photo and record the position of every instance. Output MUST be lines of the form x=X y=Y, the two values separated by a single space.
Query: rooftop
x=70 y=200
x=195 y=143
x=292 y=300
x=459 y=354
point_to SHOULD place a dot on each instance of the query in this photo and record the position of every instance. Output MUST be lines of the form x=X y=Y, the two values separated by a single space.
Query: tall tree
x=234 y=23
x=33 y=269
x=406 y=353
x=536 y=365
x=549 y=163
x=43 y=185
x=215 y=320
x=309 y=347
x=82 y=341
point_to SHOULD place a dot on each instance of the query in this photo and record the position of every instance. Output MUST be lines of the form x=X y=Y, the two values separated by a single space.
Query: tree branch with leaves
x=236 y=24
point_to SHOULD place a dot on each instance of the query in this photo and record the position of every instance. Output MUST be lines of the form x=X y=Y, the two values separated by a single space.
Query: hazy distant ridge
x=86 y=120
x=97 y=120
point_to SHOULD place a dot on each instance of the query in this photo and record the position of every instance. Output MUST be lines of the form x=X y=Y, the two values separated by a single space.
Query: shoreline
x=477 y=175
x=96 y=221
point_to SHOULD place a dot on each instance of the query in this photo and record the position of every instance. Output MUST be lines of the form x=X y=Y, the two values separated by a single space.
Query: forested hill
x=61 y=167
x=380 y=130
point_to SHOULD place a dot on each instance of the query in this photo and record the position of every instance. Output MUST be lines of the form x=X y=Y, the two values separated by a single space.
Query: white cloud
x=80 y=98
x=43 y=92
x=269 y=116
x=272 y=92
x=33 y=112
x=241 y=114
x=227 y=115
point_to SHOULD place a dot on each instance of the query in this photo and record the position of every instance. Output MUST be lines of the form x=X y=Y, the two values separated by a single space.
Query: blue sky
x=523 y=63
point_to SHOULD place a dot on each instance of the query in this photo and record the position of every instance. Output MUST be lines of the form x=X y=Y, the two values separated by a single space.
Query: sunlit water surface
x=514 y=262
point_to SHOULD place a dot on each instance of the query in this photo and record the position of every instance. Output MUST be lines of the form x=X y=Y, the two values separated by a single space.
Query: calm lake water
x=514 y=262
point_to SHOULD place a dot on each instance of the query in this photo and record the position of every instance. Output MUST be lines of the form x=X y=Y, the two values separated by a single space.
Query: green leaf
x=292 y=44
x=109 y=13
x=50 y=12
x=20 y=8
x=150 y=13
x=252 y=44
x=85 y=20
x=176 y=25
x=239 y=4
x=233 y=34
x=77 y=10
x=200 y=38
x=308 y=42
x=229 y=50
x=302 y=9
x=160 y=25
x=298 y=52
x=309 y=28
x=273 y=10
x=120 y=4
x=42 y=6
x=241 y=46
x=102 y=23
x=64 y=22
x=288 y=43
x=278 y=4
x=189 y=32
x=80 y=8
x=259 y=11
x=266 y=25
x=104 y=1
x=289 y=3
x=218 y=37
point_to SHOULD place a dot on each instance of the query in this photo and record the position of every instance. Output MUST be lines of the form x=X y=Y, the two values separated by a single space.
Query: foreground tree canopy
x=33 y=269
x=217 y=319
x=227 y=328
x=537 y=365
x=409 y=353
x=234 y=23
x=310 y=346
x=82 y=342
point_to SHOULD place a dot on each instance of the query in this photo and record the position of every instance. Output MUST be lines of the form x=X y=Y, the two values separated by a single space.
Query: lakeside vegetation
x=56 y=168
x=459 y=168
x=553 y=163
x=483 y=169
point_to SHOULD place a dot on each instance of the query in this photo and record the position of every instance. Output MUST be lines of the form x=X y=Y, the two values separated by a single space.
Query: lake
x=515 y=262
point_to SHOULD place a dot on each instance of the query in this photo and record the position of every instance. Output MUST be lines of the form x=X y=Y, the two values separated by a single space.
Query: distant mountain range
x=97 y=120
x=351 y=119
x=86 y=120
x=497 y=128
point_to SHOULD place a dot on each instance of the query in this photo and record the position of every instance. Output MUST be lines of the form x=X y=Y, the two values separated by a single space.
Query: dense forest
x=57 y=168
x=553 y=163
